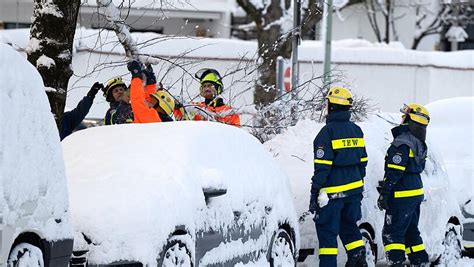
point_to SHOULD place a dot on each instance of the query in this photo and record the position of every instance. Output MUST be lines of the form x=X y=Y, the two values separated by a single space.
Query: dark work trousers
x=400 y=233
x=339 y=217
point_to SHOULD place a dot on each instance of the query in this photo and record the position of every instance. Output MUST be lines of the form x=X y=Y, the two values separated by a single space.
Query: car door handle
x=268 y=210
x=237 y=214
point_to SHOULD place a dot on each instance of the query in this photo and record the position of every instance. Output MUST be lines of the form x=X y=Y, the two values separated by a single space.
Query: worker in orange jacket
x=160 y=105
x=213 y=105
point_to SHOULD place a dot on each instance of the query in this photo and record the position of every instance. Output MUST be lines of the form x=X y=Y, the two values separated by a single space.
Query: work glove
x=382 y=202
x=380 y=187
x=136 y=68
x=95 y=89
x=150 y=75
x=178 y=102
x=313 y=203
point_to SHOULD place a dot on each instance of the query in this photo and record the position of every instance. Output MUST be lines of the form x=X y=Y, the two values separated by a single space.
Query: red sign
x=287 y=79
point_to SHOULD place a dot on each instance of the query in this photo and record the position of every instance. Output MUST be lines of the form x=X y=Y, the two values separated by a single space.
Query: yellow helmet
x=212 y=76
x=340 y=96
x=416 y=112
x=112 y=83
x=165 y=101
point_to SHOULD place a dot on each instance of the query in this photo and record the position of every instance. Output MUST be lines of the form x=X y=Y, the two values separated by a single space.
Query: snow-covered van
x=177 y=194
x=440 y=217
x=452 y=129
x=34 y=222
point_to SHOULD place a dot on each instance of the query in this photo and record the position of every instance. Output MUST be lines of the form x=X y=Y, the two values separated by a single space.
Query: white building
x=353 y=22
x=175 y=17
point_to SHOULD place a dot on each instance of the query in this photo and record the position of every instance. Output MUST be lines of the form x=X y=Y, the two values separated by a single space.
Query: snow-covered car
x=177 y=194
x=34 y=223
x=452 y=128
x=440 y=213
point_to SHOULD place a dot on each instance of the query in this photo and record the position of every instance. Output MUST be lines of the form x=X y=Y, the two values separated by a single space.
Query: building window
x=14 y=25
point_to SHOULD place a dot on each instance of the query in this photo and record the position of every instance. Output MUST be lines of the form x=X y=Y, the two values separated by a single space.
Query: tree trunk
x=50 y=50
x=416 y=42
x=272 y=43
x=388 y=17
x=269 y=48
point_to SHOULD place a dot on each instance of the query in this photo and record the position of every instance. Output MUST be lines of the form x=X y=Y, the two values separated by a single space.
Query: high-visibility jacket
x=119 y=113
x=214 y=107
x=404 y=161
x=340 y=157
x=142 y=113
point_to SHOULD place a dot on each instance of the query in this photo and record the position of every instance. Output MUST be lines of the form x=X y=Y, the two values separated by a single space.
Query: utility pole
x=454 y=42
x=17 y=10
x=279 y=71
x=294 y=47
x=327 y=42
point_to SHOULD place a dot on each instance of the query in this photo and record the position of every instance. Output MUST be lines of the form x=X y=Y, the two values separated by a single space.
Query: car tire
x=282 y=250
x=452 y=245
x=370 y=247
x=175 y=253
x=25 y=254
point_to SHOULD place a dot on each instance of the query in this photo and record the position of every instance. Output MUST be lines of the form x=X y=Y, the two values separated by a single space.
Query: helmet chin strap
x=157 y=105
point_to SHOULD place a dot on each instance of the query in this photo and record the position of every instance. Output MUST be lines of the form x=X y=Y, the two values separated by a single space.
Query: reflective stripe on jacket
x=340 y=157
x=119 y=113
x=228 y=116
x=404 y=161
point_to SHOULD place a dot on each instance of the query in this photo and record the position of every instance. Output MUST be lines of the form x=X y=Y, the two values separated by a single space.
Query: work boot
x=397 y=264
x=357 y=260
x=423 y=264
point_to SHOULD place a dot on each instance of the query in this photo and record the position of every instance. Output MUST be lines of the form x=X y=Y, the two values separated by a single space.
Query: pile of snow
x=452 y=129
x=294 y=151
x=131 y=185
x=31 y=164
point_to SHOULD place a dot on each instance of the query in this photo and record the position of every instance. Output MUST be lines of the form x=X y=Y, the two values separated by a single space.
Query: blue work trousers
x=400 y=234
x=339 y=217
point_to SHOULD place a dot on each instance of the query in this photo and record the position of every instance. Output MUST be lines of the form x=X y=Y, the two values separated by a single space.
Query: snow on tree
x=386 y=8
x=50 y=48
x=434 y=17
x=273 y=23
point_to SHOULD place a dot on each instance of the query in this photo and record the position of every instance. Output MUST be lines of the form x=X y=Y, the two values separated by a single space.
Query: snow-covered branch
x=112 y=14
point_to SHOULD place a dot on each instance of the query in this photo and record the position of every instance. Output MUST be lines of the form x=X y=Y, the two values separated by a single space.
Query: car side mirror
x=213 y=192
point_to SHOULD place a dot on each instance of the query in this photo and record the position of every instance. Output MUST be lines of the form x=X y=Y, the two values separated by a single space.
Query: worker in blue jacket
x=72 y=118
x=401 y=191
x=340 y=160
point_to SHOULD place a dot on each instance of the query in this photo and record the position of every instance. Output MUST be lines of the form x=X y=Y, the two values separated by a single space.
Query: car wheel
x=370 y=247
x=282 y=250
x=176 y=253
x=25 y=254
x=452 y=245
